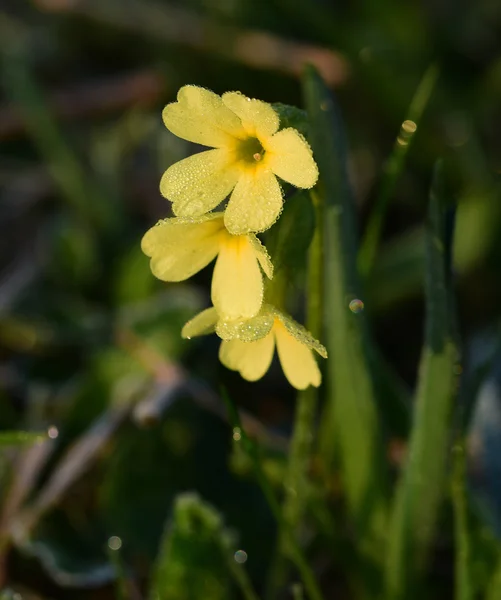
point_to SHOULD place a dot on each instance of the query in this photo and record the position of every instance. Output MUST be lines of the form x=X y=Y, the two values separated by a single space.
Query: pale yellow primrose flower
x=248 y=346
x=180 y=247
x=249 y=153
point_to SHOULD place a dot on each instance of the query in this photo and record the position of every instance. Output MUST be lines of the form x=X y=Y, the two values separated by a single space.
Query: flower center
x=250 y=151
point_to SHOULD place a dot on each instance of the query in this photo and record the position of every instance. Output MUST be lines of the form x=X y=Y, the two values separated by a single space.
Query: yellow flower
x=249 y=152
x=180 y=247
x=248 y=345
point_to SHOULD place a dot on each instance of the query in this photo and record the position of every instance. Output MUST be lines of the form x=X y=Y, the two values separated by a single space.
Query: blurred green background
x=89 y=340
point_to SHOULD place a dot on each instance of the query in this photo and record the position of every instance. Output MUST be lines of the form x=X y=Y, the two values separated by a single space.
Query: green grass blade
x=351 y=421
x=16 y=438
x=463 y=558
x=393 y=169
x=422 y=484
x=64 y=167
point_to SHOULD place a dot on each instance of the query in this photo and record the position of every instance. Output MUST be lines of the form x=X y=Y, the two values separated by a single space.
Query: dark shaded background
x=89 y=340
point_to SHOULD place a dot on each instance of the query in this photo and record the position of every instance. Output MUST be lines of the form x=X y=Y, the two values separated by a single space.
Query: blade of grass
x=421 y=487
x=393 y=169
x=16 y=438
x=295 y=551
x=21 y=87
x=350 y=418
x=463 y=558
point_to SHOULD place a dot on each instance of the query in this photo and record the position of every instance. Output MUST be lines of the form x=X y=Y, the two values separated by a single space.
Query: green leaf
x=289 y=239
x=191 y=563
x=351 y=416
x=291 y=116
x=422 y=484
x=16 y=438
x=463 y=549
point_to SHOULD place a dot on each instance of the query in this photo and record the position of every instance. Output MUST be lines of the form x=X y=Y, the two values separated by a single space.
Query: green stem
x=295 y=551
x=393 y=169
x=296 y=481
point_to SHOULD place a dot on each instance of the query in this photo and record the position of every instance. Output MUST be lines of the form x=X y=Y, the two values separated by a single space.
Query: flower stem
x=296 y=481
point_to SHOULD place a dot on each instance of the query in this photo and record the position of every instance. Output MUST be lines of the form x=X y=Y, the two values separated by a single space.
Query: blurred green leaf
x=191 y=563
x=351 y=417
x=421 y=488
x=16 y=438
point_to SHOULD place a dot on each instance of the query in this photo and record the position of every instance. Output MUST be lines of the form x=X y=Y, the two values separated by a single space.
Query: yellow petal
x=199 y=183
x=300 y=333
x=179 y=248
x=250 y=359
x=237 y=283
x=255 y=204
x=258 y=118
x=200 y=116
x=247 y=330
x=201 y=324
x=262 y=255
x=289 y=156
x=297 y=360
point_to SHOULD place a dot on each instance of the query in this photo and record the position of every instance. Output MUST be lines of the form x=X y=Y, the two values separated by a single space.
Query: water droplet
x=53 y=432
x=240 y=556
x=356 y=306
x=114 y=543
x=237 y=434
x=409 y=126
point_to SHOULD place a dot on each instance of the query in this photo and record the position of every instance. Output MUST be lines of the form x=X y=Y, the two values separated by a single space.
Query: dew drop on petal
x=240 y=556
x=356 y=306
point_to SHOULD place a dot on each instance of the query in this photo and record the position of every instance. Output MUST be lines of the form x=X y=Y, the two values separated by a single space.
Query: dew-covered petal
x=289 y=156
x=199 y=183
x=200 y=116
x=201 y=324
x=297 y=360
x=247 y=330
x=250 y=359
x=237 y=282
x=259 y=119
x=262 y=255
x=300 y=333
x=180 y=247
x=255 y=204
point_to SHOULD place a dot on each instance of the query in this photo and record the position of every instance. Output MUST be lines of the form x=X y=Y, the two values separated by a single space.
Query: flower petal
x=250 y=359
x=200 y=116
x=247 y=330
x=237 y=283
x=258 y=118
x=262 y=255
x=289 y=156
x=199 y=183
x=297 y=360
x=255 y=204
x=201 y=324
x=180 y=248
x=300 y=333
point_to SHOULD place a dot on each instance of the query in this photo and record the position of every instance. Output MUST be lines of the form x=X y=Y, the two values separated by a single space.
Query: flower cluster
x=249 y=153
